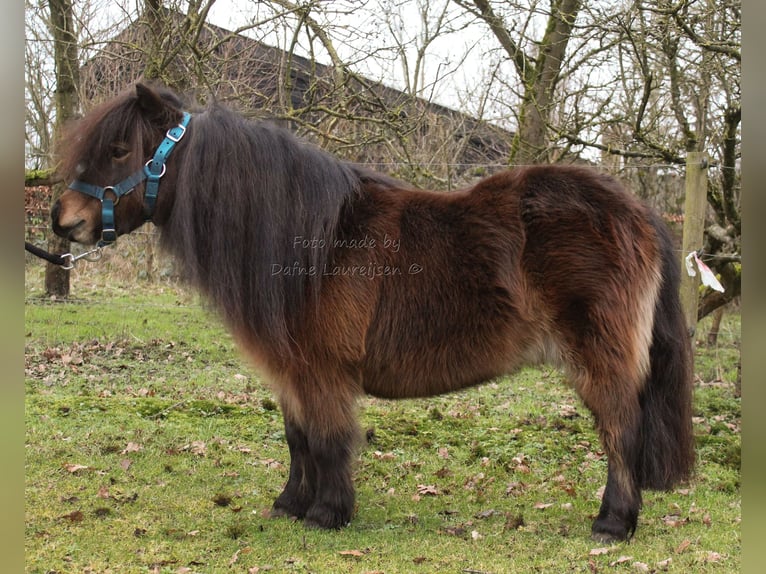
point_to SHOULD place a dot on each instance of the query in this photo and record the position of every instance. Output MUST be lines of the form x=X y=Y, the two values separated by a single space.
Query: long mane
x=253 y=201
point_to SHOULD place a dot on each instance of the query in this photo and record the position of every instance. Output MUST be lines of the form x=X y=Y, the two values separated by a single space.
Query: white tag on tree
x=706 y=275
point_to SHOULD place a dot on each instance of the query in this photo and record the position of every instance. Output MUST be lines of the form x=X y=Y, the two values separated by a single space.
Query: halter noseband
x=152 y=172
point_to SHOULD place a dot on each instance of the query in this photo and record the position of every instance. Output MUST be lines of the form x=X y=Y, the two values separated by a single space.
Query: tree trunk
x=67 y=82
x=715 y=327
x=539 y=76
x=530 y=142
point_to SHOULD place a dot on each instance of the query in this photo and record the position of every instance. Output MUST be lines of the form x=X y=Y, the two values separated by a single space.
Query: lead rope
x=65 y=260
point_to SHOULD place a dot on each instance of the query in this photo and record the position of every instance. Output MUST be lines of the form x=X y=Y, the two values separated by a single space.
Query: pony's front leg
x=321 y=432
x=332 y=454
x=300 y=490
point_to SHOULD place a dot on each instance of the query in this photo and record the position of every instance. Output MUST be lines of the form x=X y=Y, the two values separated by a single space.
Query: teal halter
x=152 y=172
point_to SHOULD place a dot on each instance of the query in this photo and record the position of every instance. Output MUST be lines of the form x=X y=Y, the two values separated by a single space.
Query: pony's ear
x=149 y=100
x=157 y=106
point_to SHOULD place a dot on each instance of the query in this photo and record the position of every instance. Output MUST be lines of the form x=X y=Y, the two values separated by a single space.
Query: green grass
x=151 y=446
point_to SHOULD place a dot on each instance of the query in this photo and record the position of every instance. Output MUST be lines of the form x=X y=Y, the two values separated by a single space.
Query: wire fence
x=137 y=260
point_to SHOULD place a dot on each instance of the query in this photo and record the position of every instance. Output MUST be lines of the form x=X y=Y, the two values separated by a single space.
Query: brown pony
x=337 y=281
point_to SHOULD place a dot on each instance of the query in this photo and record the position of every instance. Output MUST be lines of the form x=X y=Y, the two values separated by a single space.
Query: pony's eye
x=120 y=152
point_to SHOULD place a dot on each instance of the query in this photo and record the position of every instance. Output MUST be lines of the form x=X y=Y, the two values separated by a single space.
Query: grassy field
x=152 y=447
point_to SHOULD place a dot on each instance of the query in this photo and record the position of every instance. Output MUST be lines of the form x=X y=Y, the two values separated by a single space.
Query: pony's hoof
x=290 y=506
x=610 y=531
x=282 y=513
x=326 y=518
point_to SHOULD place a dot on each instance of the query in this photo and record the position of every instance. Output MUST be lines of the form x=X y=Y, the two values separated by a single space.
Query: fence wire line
x=43 y=301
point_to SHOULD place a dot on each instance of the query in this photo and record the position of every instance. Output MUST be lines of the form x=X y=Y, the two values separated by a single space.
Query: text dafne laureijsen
x=370 y=270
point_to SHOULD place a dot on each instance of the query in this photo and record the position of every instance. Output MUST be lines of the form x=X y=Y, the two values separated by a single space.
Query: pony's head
x=107 y=155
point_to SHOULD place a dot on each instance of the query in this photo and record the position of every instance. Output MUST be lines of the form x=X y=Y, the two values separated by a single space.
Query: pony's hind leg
x=618 y=516
x=617 y=412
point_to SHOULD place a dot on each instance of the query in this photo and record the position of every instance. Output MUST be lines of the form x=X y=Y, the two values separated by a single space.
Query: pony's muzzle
x=69 y=230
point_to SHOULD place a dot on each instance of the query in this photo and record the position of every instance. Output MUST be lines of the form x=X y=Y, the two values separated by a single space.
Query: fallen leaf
x=513 y=487
x=352 y=553
x=683 y=546
x=641 y=566
x=713 y=557
x=664 y=564
x=599 y=551
x=132 y=447
x=75 y=468
x=453 y=531
x=621 y=560
x=567 y=412
x=472 y=482
x=197 y=447
x=428 y=490
x=543 y=505
x=76 y=516
x=235 y=558
x=513 y=521
x=674 y=520
x=383 y=455
x=103 y=492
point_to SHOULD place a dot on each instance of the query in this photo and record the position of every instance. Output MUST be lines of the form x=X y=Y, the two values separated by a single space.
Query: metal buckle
x=173 y=138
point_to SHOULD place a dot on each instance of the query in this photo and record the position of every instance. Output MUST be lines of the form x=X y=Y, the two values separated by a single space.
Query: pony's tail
x=667 y=440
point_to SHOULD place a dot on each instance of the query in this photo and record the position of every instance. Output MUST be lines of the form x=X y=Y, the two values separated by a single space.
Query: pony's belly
x=427 y=378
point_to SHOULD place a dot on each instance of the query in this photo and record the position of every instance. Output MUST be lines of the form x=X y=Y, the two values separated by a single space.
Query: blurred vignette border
x=12 y=286
x=754 y=303
x=753 y=300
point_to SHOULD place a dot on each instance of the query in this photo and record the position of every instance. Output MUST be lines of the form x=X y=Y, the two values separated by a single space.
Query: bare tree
x=687 y=57
x=67 y=79
x=539 y=72
x=639 y=82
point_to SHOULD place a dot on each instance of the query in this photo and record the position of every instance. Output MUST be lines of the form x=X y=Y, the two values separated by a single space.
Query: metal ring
x=71 y=258
x=149 y=171
x=117 y=197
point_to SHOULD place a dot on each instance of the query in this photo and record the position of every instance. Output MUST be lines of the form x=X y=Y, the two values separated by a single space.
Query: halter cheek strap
x=155 y=167
x=152 y=172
